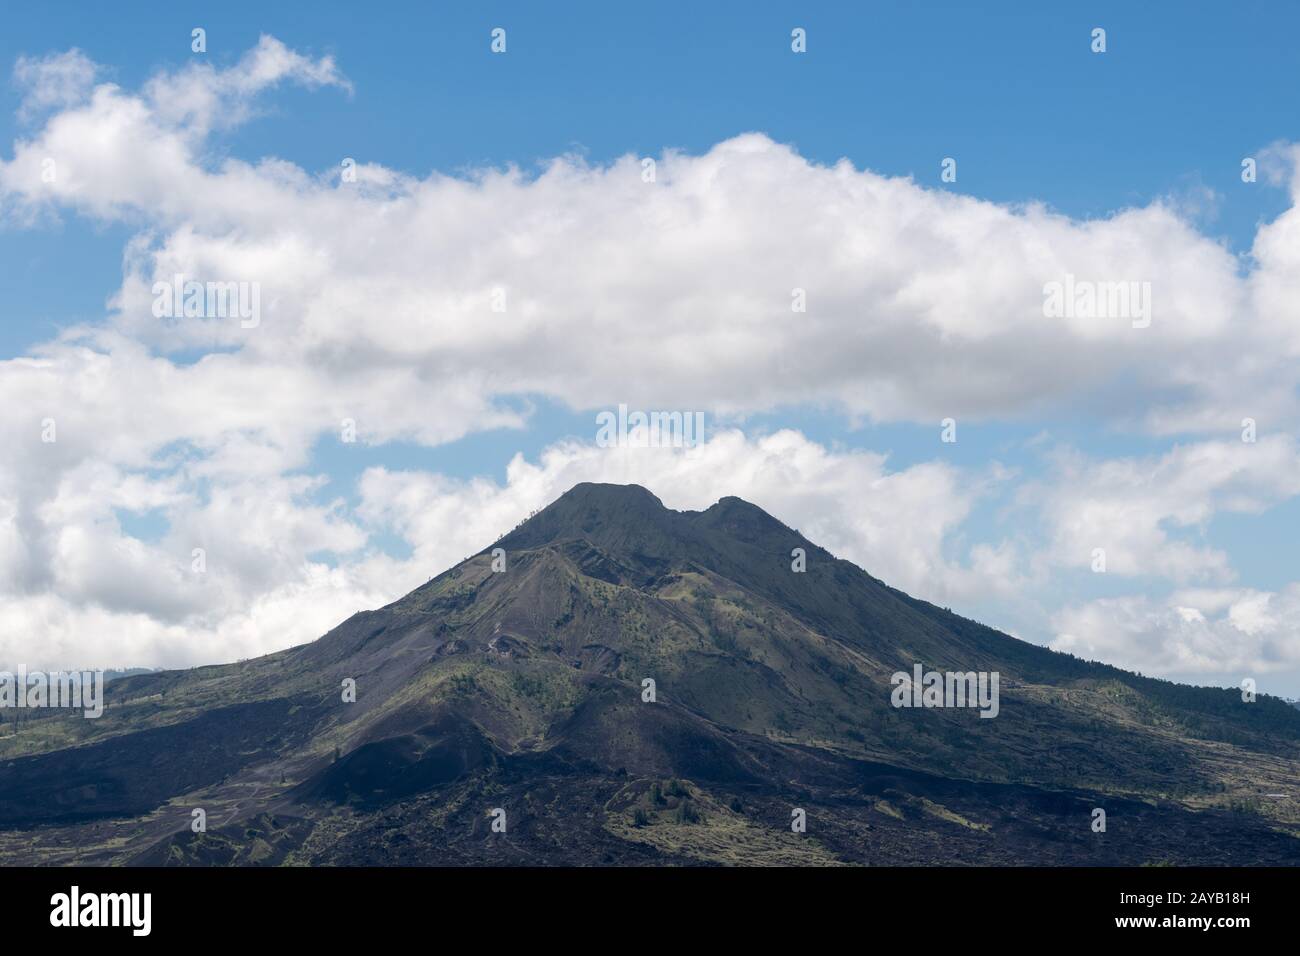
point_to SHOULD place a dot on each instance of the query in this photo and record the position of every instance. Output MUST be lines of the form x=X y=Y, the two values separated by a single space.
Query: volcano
x=618 y=683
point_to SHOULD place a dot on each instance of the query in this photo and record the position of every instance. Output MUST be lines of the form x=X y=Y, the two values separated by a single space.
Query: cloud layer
x=424 y=308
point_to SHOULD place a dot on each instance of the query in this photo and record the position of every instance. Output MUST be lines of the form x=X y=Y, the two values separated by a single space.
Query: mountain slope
x=522 y=688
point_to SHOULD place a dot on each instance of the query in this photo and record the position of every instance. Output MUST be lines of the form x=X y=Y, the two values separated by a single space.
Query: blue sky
x=1156 y=126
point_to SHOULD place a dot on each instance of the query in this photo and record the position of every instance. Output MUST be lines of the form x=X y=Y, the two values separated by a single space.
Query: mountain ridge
x=523 y=670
